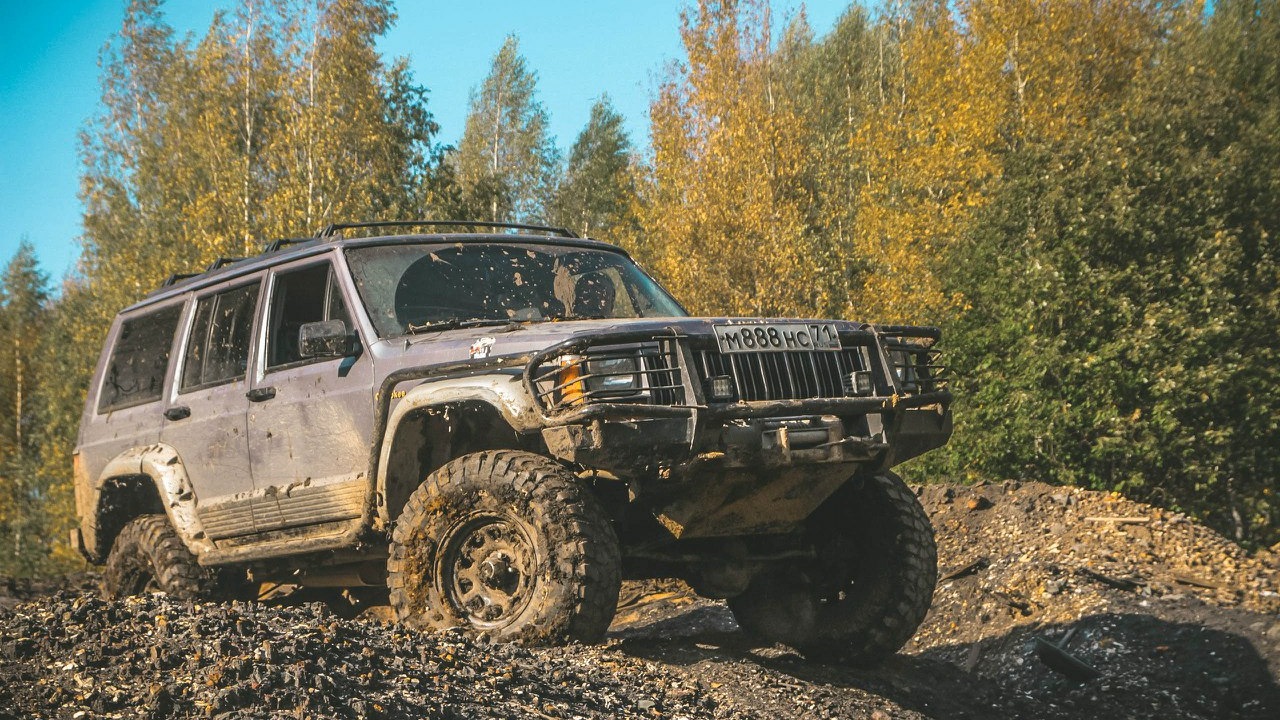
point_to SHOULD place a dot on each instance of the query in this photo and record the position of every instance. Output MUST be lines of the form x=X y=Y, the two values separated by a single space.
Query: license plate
x=777 y=337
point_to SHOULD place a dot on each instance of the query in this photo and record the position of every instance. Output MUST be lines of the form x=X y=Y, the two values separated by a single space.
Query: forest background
x=1083 y=194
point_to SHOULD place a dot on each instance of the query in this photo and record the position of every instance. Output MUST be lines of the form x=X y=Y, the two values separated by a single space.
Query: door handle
x=178 y=412
x=260 y=394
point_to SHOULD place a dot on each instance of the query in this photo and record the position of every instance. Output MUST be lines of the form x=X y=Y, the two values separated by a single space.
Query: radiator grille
x=796 y=375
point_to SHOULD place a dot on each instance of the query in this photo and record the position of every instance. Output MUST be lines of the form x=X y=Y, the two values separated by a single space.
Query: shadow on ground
x=1147 y=667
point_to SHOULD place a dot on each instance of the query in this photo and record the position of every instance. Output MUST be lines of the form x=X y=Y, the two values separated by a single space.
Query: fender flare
x=163 y=465
x=504 y=392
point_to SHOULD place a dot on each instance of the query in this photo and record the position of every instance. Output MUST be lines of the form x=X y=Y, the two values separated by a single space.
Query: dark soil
x=1161 y=618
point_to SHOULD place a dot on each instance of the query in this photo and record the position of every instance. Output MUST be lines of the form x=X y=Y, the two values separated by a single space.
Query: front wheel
x=508 y=544
x=868 y=586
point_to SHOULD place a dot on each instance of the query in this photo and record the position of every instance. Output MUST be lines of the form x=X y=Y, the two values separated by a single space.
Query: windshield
x=411 y=287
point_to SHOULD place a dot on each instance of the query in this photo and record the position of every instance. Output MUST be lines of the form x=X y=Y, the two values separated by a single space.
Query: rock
x=254 y=661
x=978 y=502
x=1027 y=565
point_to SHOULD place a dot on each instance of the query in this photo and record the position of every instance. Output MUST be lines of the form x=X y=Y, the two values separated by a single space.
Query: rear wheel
x=148 y=556
x=508 y=544
x=868 y=587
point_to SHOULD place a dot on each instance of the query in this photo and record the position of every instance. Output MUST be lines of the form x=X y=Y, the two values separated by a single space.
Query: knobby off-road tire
x=148 y=556
x=508 y=544
x=868 y=588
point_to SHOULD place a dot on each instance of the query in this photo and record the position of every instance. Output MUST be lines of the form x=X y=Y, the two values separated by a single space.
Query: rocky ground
x=1052 y=603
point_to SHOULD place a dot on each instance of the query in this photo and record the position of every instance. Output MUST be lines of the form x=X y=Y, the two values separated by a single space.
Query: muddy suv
x=497 y=427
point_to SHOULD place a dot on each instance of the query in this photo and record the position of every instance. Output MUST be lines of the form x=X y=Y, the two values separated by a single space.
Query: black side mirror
x=326 y=339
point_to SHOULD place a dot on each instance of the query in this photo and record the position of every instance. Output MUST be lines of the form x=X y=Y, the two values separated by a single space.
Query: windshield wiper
x=454 y=324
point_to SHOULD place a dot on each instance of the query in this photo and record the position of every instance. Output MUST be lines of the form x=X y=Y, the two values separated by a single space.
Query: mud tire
x=862 y=598
x=148 y=556
x=568 y=580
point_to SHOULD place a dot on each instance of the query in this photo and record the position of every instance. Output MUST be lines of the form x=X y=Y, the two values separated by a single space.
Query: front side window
x=135 y=373
x=412 y=286
x=218 y=348
x=300 y=297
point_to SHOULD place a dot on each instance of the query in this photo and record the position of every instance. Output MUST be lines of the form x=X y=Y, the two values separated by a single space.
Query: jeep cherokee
x=497 y=426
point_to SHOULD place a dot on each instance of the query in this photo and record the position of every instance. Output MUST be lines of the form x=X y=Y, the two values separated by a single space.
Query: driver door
x=310 y=419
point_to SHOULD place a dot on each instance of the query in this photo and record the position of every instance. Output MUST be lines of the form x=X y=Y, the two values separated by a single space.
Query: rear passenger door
x=206 y=415
x=311 y=418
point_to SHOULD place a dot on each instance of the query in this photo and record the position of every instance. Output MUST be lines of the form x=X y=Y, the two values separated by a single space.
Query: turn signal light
x=569 y=380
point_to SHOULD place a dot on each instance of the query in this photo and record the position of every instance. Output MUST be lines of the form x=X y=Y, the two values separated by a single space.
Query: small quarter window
x=218 y=349
x=135 y=373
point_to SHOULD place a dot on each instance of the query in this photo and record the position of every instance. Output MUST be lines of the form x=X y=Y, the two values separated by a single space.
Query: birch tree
x=723 y=202
x=506 y=161
x=23 y=310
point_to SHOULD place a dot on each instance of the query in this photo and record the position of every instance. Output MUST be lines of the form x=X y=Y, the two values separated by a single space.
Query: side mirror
x=326 y=339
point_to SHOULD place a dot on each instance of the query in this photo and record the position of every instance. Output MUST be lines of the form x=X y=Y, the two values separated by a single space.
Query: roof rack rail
x=275 y=245
x=221 y=262
x=331 y=230
x=177 y=278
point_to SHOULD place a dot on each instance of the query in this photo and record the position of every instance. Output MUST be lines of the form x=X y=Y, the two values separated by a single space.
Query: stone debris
x=153 y=657
x=1169 y=618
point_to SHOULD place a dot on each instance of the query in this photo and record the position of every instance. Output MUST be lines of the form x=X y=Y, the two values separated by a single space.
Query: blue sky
x=579 y=48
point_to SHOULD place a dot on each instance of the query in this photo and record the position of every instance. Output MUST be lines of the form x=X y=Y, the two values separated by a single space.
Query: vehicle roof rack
x=275 y=245
x=222 y=262
x=177 y=278
x=333 y=229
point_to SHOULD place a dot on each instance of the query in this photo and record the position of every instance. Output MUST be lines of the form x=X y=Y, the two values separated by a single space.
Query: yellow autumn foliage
x=724 y=223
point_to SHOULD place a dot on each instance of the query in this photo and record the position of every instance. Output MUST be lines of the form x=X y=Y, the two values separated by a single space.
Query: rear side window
x=218 y=349
x=140 y=359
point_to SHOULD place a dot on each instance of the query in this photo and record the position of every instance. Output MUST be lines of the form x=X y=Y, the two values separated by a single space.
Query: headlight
x=580 y=379
x=614 y=375
x=904 y=367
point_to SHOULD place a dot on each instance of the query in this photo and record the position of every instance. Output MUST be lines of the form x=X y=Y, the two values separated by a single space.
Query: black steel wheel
x=148 y=556
x=868 y=586
x=487 y=570
x=508 y=544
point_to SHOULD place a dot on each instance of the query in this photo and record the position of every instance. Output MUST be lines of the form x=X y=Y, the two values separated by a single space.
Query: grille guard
x=931 y=379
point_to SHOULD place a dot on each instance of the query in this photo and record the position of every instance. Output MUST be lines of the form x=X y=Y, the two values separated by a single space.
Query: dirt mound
x=1150 y=612
x=1053 y=603
x=14 y=591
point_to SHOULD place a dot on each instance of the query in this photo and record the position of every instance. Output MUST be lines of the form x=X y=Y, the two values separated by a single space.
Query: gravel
x=1167 y=618
x=78 y=656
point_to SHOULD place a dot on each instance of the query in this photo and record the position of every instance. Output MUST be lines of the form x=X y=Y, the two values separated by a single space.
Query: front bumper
x=678 y=423
x=871 y=431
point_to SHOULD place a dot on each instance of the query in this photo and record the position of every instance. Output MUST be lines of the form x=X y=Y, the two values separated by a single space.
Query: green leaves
x=506 y=162
x=1130 y=293
x=29 y=488
x=595 y=196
